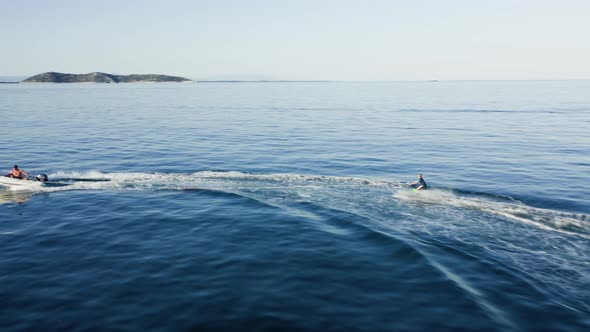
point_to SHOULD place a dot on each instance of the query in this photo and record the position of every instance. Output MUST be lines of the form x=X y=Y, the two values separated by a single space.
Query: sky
x=361 y=40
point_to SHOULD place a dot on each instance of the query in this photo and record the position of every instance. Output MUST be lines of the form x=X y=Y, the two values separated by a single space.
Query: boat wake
x=503 y=206
x=329 y=191
x=523 y=240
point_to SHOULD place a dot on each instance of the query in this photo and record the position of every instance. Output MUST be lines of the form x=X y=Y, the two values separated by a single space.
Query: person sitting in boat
x=420 y=184
x=18 y=173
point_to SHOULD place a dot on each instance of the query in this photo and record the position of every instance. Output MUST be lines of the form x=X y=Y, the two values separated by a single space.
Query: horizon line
x=339 y=81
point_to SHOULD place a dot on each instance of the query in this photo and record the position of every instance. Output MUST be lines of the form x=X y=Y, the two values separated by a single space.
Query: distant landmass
x=53 y=77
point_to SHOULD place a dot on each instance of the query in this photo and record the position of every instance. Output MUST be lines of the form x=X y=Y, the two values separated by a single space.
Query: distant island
x=53 y=77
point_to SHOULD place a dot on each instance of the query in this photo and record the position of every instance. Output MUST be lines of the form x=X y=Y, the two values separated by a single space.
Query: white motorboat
x=20 y=184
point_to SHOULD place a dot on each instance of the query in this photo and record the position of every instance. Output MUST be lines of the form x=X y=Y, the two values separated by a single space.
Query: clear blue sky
x=300 y=39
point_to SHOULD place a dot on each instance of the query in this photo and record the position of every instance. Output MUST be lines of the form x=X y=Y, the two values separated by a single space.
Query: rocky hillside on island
x=53 y=77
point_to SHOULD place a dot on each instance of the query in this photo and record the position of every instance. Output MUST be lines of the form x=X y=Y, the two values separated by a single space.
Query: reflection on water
x=10 y=196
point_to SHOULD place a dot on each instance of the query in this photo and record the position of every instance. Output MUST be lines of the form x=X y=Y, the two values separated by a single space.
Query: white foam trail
x=569 y=223
x=180 y=181
x=317 y=188
x=77 y=175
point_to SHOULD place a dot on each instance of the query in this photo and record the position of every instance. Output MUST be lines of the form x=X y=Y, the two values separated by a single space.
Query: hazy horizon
x=18 y=78
x=300 y=40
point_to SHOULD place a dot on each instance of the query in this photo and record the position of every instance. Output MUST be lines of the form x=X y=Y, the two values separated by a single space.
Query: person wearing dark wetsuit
x=421 y=184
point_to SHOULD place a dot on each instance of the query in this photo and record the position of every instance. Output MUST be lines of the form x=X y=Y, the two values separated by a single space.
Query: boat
x=22 y=184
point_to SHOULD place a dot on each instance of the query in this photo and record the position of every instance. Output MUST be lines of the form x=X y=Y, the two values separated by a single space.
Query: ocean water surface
x=283 y=206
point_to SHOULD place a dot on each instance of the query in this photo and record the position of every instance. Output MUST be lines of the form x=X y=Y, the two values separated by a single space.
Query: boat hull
x=13 y=183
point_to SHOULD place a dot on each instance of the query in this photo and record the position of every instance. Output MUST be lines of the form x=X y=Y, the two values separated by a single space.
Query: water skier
x=420 y=184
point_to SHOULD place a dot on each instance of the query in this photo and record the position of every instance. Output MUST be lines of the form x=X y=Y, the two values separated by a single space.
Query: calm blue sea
x=283 y=207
